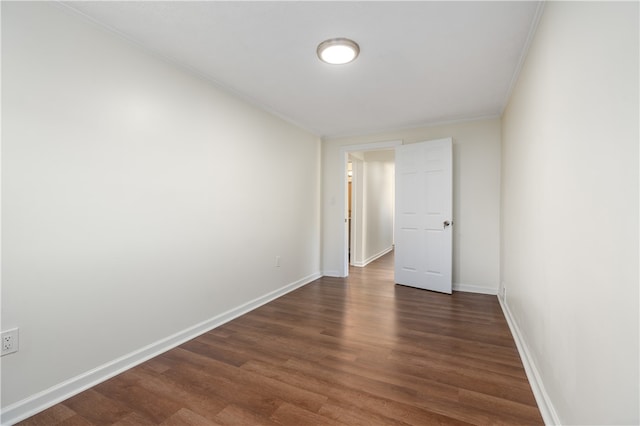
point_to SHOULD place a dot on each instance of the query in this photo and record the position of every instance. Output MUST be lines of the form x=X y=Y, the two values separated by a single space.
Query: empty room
x=320 y=213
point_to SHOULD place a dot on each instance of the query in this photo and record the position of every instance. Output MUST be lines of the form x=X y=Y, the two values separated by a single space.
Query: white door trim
x=344 y=154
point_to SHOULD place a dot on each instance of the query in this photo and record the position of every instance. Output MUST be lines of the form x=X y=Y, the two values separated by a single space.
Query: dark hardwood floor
x=356 y=351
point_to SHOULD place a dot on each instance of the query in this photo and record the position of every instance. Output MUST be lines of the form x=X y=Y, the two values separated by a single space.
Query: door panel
x=423 y=252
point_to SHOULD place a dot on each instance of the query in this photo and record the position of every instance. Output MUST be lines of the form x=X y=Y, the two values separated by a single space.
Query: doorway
x=362 y=247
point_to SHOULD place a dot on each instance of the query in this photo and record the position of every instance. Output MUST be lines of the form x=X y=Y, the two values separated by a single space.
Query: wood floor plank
x=134 y=419
x=186 y=417
x=53 y=416
x=75 y=420
x=150 y=405
x=237 y=416
x=510 y=409
x=306 y=375
x=289 y=414
x=226 y=389
x=344 y=412
x=241 y=385
x=355 y=351
x=186 y=394
x=97 y=408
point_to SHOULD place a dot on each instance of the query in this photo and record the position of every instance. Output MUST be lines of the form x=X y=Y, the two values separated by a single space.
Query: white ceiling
x=420 y=63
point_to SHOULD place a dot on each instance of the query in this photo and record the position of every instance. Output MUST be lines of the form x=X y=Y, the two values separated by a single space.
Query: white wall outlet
x=9 y=341
x=503 y=292
x=277 y=261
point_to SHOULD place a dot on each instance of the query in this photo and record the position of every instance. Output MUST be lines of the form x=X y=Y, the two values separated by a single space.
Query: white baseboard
x=372 y=258
x=40 y=401
x=332 y=273
x=472 y=288
x=548 y=412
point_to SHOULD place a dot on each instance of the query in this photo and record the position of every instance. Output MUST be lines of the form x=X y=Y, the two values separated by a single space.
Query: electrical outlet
x=277 y=261
x=9 y=341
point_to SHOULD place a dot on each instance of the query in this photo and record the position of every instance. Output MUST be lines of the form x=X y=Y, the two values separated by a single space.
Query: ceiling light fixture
x=338 y=51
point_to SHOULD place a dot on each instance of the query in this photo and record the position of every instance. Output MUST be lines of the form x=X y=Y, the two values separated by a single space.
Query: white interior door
x=424 y=193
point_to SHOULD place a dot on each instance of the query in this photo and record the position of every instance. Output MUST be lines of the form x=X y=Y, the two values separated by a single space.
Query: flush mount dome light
x=338 y=51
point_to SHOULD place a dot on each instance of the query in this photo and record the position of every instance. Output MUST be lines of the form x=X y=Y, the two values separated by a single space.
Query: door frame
x=344 y=155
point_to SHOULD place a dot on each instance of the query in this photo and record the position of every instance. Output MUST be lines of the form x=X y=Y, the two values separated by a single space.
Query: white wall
x=379 y=203
x=570 y=211
x=138 y=200
x=476 y=200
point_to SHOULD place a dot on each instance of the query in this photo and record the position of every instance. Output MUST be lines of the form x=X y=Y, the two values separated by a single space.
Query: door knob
x=446 y=223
